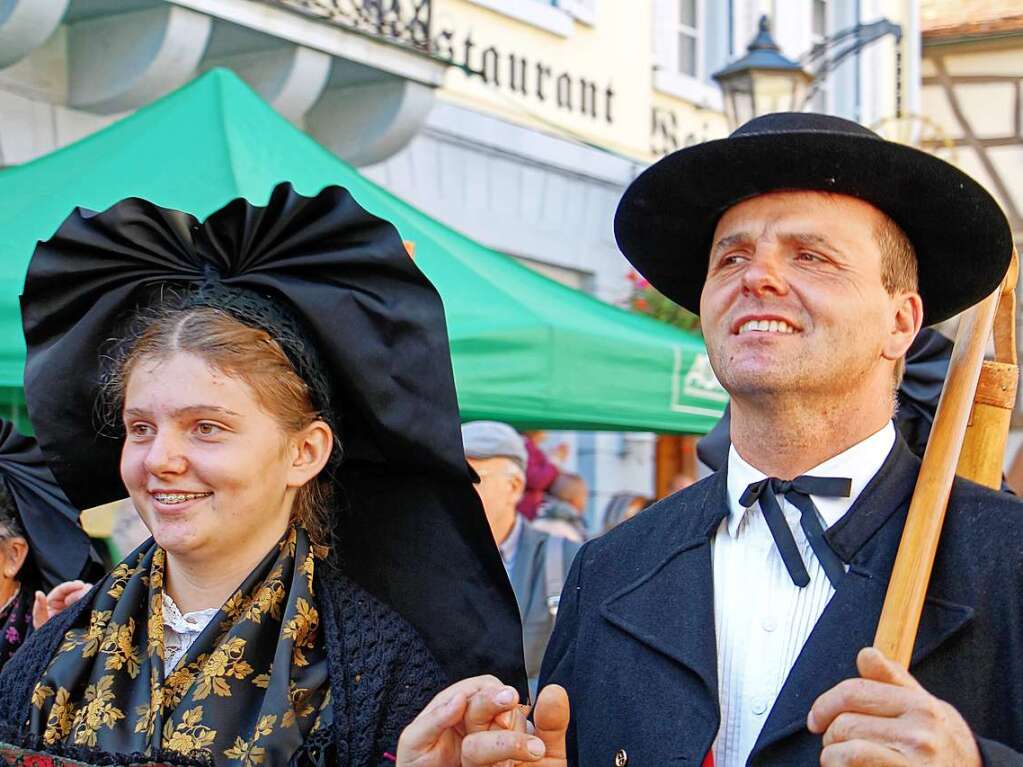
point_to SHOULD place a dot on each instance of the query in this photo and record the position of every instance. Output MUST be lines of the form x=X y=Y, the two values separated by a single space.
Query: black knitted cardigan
x=381 y=677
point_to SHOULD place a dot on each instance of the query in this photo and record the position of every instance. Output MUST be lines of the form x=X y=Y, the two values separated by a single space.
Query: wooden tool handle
x=900 y=616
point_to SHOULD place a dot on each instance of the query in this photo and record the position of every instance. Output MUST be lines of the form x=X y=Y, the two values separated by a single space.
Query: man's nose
x=764 y=274
x=165 y=455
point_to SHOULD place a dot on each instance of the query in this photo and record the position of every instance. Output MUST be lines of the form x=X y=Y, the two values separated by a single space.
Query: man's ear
x=907 y=319
x=310 y=451
x=518 y=484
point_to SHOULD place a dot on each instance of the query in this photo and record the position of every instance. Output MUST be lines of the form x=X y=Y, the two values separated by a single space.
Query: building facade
x=517 y=122
x=972 y=115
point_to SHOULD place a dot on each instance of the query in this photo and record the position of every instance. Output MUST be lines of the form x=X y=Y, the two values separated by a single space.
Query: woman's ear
x=310 y=451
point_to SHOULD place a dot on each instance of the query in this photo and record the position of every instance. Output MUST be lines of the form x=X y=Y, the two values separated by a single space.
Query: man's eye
x=808 y=256
x=732 y=259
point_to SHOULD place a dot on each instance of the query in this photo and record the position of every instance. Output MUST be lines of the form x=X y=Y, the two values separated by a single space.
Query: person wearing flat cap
x=272 y=388
x=537 y=562
x=726 y=624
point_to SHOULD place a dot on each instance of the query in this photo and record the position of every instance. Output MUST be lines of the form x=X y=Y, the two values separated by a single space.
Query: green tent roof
x=526 y=349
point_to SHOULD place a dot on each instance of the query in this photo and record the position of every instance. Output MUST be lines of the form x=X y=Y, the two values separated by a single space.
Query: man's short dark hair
x=898 y=268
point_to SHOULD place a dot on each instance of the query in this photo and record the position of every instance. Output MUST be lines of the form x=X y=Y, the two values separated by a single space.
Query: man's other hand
x=886 y=718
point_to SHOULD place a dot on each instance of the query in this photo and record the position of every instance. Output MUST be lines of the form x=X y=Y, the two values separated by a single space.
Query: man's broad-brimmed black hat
x=665 y=221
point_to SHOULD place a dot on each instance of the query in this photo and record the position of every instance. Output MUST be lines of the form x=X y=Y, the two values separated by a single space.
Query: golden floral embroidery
x=234 y=606
x=302 y=629
x=60 y=719
x=120 y=576
x=246 y=752
x=40 y=694
x=268 y=599
x=262 y=680
x=190 y=734
x=87 y=640
x=226 y=662
x=289 y=543
x=107 y=687
x=300 y=705
x=99 y=712
x=154 y=628
x=119 y=645
x=156 y=571
x=145 y=715
x=308 y=568
x=324 y=712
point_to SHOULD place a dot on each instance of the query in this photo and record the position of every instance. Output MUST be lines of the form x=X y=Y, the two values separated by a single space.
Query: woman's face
x=210 y=471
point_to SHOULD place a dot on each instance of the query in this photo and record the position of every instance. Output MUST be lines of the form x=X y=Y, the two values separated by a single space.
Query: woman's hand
x=62 y=596
x=478 y=723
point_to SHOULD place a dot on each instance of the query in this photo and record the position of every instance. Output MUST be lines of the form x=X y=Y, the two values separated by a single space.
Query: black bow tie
x=798 y=492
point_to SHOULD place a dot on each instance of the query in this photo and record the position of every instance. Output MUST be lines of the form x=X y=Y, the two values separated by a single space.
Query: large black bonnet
x=665 y=221
x=411 y=527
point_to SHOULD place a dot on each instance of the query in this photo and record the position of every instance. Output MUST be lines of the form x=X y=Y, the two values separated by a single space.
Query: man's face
x=794 y=300
x=500 y=488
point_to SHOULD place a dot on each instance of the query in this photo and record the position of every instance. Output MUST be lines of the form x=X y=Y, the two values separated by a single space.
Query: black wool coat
x=381 y=676
x=634 y=642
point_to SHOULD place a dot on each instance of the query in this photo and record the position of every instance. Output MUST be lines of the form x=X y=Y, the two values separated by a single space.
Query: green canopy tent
x=526 y=349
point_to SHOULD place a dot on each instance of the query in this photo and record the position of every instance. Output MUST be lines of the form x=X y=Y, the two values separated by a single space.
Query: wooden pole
x=900 y=616
x=983 y=454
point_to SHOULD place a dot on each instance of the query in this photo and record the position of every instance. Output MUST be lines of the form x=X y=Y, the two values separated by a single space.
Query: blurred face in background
x=13 y=552
x=500 y=488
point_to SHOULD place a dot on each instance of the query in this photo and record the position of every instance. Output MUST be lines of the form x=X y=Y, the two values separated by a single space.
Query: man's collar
x=511 y=543
x=860 y=463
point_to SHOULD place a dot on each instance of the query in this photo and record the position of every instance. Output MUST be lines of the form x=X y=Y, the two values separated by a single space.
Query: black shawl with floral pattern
x=295 y=668
x=247 y=692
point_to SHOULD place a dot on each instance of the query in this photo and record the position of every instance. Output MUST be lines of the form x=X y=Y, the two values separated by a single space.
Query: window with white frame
x=687 y=38
x=691 y=43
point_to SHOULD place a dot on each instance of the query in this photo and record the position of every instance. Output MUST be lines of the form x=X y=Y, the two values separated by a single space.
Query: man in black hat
x=727 y=623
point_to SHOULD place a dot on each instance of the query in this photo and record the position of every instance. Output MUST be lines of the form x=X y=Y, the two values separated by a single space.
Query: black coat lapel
x=867 y=538
x=670 y=608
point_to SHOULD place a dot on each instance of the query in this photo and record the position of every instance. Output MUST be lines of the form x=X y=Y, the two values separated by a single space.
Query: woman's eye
x=140 y=429
x=207 y=429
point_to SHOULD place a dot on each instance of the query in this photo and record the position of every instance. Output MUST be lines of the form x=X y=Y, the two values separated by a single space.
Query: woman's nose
x=165 y=455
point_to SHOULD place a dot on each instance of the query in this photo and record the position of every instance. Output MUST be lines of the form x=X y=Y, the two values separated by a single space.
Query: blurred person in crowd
x=541 y=471
x=680 y=481
x=537 y=562
x=42 y=546
x=622 y=507
x=17 y=586
x=561 y=512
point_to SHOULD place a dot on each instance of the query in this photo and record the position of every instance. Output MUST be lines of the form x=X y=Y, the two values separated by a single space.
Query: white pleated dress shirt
x=762 y=618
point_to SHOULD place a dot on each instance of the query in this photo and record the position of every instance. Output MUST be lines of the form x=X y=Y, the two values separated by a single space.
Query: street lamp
x=762 y=81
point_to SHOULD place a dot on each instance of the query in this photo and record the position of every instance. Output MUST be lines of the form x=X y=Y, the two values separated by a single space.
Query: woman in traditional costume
x=275 y=394
x=42 y=546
